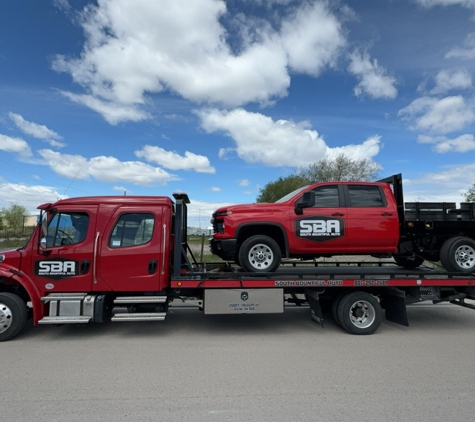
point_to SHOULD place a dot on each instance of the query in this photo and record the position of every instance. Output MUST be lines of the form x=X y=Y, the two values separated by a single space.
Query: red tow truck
x=125 y=258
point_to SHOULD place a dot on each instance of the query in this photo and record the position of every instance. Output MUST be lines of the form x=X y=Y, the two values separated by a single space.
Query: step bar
x=139 y=299
x=65 y=320
x=144 y=316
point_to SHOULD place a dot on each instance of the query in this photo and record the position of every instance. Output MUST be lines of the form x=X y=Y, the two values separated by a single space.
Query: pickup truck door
x=66 y=263
x=322 y=228
x=372 y=220
x=133 y=253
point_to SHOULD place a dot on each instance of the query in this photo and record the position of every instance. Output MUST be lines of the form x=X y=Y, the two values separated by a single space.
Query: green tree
x=340 y=169
x=14 y=217
x=470 y=195
x=273 y=191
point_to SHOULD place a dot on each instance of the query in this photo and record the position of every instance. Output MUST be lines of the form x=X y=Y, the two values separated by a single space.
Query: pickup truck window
x=290 y=195
x=132 y=230
x=327 y=197
x=67 y=229
x=365 y=196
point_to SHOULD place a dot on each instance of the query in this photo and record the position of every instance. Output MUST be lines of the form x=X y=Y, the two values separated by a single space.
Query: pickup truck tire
x=408 y=261
x=13 y=315
x=359 y=313
x=458 y=255
x=260 y=254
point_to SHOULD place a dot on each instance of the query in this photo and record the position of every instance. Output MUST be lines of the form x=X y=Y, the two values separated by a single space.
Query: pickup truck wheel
x=260 y=254
x=13 y=315
x=359 y=313
x=408 y=261
x=458 y=255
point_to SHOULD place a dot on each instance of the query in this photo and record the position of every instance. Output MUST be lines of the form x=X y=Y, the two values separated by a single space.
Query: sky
x=217 y=98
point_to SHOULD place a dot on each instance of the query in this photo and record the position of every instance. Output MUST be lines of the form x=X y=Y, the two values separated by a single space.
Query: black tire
x=359 y=313
x=408 y=261
x=13 y=315
x=335 y=304
x=458 y=255
x=260 y=254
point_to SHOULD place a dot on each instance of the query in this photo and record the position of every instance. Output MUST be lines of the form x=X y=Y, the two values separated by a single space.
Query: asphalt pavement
x=283 y=367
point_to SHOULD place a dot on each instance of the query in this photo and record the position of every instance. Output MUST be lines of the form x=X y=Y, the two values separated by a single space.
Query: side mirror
x=306 y=201
x=43 y=243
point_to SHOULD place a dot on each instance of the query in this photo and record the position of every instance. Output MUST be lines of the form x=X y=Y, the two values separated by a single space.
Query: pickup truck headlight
x=222 y=213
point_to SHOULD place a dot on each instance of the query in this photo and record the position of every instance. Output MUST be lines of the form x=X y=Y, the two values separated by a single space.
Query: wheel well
x=9 y=285
x=273 y=231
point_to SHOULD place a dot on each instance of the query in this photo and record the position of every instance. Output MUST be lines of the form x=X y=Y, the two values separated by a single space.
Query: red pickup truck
x=346 y=218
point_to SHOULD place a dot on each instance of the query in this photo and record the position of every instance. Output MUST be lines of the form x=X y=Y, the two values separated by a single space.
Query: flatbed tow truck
x=132 y=260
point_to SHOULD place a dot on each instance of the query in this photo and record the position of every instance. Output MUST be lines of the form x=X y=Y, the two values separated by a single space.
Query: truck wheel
x=13 y=315
x=359 y=313
x=458 y=255
x=260 y=254
x=408 y=261
x=335 y=305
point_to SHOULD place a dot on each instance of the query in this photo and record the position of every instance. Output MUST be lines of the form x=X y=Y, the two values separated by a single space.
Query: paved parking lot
x=259 y=368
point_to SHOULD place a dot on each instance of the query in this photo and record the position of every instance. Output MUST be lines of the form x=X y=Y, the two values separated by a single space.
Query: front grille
x=218 y=226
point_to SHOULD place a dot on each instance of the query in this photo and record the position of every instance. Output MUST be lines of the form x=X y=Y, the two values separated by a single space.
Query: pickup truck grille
x=218 y=226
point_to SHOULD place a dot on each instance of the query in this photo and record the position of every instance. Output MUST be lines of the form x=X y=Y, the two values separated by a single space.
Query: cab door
x=322 y=228
x=66 y=263
x=133 y=255
x=373 y=224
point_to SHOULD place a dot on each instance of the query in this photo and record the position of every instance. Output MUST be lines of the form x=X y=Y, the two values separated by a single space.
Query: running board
x=65 y=320
x=144 y=316
x=140 y=299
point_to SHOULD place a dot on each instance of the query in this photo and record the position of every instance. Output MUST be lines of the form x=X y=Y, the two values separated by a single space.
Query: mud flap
x=394 y=303
x=315 y=309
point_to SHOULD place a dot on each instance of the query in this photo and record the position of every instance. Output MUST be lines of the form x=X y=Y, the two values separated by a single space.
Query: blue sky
x=217 y=98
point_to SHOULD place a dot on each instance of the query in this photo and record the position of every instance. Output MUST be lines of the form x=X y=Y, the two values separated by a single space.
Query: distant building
x=199 y=231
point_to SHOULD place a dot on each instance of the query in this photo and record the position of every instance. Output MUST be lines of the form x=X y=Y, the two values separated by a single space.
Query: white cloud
x=442 y=144
x=373 y=78
x=121 y=189
x=312 y=37
x=173 y=161
x=447 y=80
x=243 y=182
x=149 y=46
x=443 y=116
x=16 y=145
x=431 y=3
x=36 y=130
x=113 y=112
x=29 y=196
x=259 y=139
x=452 y=182
x=214 y=189
x=105 y=169
x=466 y=52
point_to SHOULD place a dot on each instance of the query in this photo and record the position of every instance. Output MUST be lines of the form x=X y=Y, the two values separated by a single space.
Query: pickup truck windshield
x=291 y=194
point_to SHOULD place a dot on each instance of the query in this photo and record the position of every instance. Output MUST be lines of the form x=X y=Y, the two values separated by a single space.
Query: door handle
x=338 y=214
x=152 y=266
x=85 y=265
x=386 y=214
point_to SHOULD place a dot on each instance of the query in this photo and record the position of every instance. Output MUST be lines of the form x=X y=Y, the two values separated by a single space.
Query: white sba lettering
x=319 y=227
x=57 y=267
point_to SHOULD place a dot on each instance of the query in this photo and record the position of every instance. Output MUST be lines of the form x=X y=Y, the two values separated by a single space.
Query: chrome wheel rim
x=465 y=257
x=362 y=314
x=6 y=317
x=261 y=256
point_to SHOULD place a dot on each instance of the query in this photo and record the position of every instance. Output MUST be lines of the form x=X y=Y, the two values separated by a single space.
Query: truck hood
x=10 y=259
x=252 y=208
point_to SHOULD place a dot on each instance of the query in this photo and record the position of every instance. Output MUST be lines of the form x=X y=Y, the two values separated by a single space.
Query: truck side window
x=132 y=230
x=327 y=197
x=67 y=229
x=365 y=196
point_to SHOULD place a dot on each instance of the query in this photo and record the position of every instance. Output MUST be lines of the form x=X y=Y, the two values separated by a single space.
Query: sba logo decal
x=56 y=269
x=319 y=228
